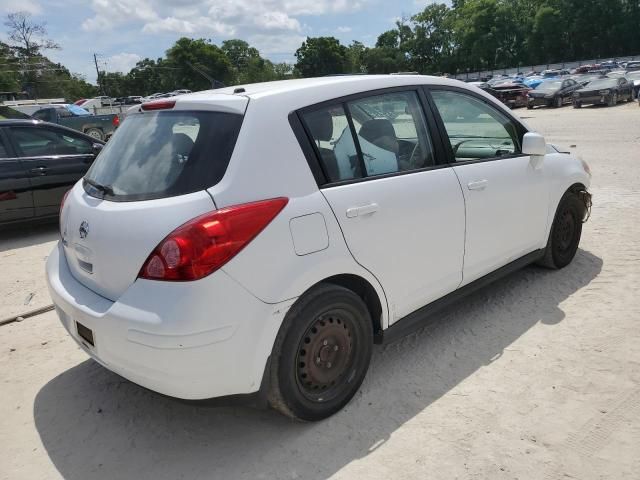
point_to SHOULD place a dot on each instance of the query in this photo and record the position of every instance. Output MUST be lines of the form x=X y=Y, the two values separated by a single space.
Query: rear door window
x=164 y=154
x=371 y=136
x=46 y=142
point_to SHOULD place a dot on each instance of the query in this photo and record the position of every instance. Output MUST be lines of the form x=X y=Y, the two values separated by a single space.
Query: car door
x=506 y=195
x=400 y=209
x=16 y=196
x=55 y=159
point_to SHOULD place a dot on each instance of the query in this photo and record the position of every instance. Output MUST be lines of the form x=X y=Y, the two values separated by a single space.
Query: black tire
x=95 y=133
x=565 y=234
x=327 y=324
x=558 y=102
x=577 y=105
x=529 y=107
x=613 y=101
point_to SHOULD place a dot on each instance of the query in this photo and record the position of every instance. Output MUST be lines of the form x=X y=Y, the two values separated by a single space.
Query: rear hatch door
x=149 y=179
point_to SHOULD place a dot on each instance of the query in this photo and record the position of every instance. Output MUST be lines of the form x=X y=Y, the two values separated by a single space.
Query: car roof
x=344 y=82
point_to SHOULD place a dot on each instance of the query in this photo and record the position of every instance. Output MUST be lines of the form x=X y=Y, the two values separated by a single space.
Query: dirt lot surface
x=534 y=377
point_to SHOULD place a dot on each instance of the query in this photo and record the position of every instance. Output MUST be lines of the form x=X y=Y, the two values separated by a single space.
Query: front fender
x=563 y=171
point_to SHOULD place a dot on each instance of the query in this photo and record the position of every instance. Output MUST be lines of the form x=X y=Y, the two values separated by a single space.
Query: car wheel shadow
x=94 y=424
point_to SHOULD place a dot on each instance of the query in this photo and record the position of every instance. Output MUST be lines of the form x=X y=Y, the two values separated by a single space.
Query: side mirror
x=97 y=148
x=534 y=144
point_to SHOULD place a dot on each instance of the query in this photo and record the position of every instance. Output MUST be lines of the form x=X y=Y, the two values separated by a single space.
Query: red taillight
x=116 y=120
x=159 y=105
x=204 y=244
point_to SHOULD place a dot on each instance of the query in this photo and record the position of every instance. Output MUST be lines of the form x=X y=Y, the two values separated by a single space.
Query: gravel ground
x=534 y=377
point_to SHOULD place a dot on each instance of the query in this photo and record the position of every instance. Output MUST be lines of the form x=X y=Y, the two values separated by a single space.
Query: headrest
x=321 y=125
x=182 y=144
x=372 y=130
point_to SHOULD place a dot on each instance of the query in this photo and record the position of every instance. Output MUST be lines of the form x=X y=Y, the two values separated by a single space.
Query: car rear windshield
x=164 y=154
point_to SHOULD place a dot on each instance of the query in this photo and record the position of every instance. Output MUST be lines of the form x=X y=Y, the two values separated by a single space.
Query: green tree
x=384 y=60
x=431 y=48
x=193 y=61
x=355 y=57
x=321 y=56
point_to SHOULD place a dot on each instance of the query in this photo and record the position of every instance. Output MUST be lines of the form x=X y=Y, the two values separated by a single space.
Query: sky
x=122 y=32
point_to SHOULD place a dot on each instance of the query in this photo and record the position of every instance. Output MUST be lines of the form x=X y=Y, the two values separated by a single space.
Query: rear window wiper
x=105 y=189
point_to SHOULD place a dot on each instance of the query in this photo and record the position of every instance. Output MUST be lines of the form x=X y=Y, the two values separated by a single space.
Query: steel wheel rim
x=325 y=355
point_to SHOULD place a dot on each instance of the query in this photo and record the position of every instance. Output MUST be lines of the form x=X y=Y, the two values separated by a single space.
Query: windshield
x=603 y=83
x=548 y=86
x=78 y=111
x=164 y=154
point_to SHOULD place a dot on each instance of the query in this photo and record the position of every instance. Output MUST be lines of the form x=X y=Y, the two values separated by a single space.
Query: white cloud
x=344 y=29
x=29 y=6
x=122 y=62
x=219 y=17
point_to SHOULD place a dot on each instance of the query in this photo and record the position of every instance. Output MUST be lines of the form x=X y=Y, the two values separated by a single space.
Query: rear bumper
x=191 y=340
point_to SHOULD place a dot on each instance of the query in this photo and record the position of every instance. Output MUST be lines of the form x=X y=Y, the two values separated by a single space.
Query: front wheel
x=577 y=105
x=321 y=354
x=566 y=232
x=613 y=101
x=558 y=102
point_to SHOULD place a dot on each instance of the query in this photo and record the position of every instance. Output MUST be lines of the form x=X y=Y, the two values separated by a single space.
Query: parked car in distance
x=513 y=95
x=632 y=66
x=130 y=100
x=553 y=93
x=39 y=162
x=610 y=65
x=238 y=244
x=605 y=91
x=100 y=127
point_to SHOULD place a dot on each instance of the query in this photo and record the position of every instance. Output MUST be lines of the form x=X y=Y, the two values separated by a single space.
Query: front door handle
x=479 y=185
x=362 y=211
x=39 y=171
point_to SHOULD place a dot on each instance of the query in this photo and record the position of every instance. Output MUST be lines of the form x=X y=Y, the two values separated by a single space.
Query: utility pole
x=95 y=59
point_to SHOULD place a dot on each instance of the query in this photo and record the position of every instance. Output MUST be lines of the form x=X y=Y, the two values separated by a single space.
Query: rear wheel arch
x=366 y=292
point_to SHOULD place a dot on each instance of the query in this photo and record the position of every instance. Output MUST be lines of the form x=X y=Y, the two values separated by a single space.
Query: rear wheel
x=95 y=133
x=566 y=232
x=577 y=105
x=321 y=354
x=529 y=106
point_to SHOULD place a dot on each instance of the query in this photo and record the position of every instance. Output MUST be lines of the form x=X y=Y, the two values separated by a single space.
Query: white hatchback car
x=259 y=239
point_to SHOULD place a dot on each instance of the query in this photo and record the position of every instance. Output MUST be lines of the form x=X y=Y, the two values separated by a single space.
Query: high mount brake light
x=204 y=244
x=159 y=105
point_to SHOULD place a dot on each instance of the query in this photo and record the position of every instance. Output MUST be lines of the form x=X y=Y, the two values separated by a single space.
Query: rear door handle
x=363 y=210
x=39 y=170
x=479 y=185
